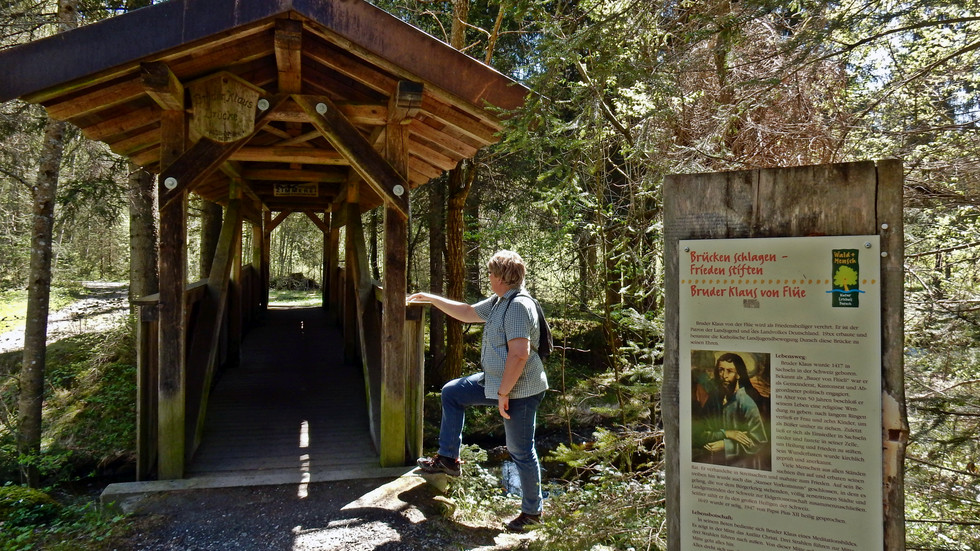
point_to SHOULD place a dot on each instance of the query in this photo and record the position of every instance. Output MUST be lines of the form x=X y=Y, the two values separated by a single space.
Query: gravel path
x=404 y=514
x=104 y=305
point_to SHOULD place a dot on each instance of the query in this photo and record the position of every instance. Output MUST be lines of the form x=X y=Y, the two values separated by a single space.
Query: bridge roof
x=347 y=51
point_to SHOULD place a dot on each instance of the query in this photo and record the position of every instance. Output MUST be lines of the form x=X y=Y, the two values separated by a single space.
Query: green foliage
x=295 y=297
x=31 y=519
x=89 y=415
x=942 y=481
x=21 y=506
x=477 y=493
x=616 y=498
x=297 y=247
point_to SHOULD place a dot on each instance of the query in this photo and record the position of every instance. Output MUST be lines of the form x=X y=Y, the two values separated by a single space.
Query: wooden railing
x=362 y=313
x=242 y=309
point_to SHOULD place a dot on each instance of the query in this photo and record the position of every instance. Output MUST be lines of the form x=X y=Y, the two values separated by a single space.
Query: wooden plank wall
x=863 y=198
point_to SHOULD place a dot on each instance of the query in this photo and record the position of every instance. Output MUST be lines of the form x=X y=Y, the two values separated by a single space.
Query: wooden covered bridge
x=319 y=108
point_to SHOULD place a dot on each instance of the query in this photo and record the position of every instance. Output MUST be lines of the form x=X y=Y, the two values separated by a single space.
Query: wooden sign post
x=783 y=397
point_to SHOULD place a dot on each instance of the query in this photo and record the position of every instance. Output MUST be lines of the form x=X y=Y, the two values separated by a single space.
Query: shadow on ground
x=403 y=514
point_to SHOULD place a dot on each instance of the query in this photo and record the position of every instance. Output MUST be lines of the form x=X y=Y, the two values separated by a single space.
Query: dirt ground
x=404 y=514
x=104 y=305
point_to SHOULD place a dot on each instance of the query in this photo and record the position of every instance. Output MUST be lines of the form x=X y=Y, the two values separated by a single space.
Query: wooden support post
x=894 y=414
x=147 y=377
x=266 y=258
x=351 y=212
x=395 y=372
x=235 y=300
x=332 y=288
x=366 y=328
x=394 y=436
x=255 y=300
x=327 y=274
x=414 y=367
x=173 y=331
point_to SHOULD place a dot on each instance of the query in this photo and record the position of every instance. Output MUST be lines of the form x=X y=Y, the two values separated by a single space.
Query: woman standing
x=513 y=379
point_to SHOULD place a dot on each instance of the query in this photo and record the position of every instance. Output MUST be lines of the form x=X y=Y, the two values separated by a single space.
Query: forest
x=623 y=93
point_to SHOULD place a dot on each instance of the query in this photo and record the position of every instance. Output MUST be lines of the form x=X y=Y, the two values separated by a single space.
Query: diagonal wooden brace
x=366 y=161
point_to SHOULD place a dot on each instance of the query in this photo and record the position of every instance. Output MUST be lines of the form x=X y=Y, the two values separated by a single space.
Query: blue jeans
x=458 y=394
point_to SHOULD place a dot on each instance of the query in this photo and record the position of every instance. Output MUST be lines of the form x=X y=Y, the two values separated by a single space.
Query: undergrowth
x=89 y=429
x=32 y=519
x=601 y=450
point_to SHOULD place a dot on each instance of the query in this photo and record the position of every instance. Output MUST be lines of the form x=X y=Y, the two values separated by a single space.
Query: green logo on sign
x=846 y=275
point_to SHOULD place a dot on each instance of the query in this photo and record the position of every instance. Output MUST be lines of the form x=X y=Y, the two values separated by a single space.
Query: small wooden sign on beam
x=224 y=106
x=290 y=189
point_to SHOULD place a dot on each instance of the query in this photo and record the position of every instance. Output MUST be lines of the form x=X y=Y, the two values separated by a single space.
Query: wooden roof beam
x=477 y=129
x=446 y=142
x=148 y=137
x=347 y=65
x=433 y=157
x=162 y=85
x=95 y=100
x=365 y=160
x=104 y=131
x=289 y=55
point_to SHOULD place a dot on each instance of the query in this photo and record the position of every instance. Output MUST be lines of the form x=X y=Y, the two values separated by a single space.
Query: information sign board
x=780 y=385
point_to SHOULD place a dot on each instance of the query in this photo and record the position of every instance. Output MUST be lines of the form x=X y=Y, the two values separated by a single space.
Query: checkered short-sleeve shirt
x=522 y=322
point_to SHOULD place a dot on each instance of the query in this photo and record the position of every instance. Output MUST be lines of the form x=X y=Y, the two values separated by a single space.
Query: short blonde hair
x=508 y=266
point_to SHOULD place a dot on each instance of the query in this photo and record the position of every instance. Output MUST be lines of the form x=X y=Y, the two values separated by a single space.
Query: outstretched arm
x=459 y=310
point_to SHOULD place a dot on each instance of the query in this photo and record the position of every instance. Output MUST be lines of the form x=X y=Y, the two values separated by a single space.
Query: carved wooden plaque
x=224 y=107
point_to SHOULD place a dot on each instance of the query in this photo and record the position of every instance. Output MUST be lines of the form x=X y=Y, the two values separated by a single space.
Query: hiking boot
x=523 y=522
x=439 y=464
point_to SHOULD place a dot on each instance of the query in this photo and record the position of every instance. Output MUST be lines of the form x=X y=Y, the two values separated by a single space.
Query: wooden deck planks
x=292 y=407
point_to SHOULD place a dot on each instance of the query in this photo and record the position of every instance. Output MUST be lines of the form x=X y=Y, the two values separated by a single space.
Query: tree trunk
x=211 y=214
x=144 y=276
x=472 y=256
x=460 y=180
x=45 y=190
x=437 y=275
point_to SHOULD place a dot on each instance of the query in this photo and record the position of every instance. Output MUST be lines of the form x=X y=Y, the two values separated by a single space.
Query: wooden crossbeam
x=328 y=175
x=97 y=100
x=368 y=114
x=365 y=160
x=304 y=155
